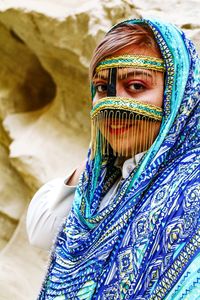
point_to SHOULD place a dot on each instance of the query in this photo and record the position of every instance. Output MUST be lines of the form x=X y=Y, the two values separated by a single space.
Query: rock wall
x=45 y=49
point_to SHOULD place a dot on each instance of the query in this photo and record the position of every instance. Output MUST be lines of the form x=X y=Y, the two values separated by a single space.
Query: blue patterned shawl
x=145 y=243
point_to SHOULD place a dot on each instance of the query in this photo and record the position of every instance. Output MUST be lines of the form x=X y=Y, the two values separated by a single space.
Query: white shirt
x=52 y=204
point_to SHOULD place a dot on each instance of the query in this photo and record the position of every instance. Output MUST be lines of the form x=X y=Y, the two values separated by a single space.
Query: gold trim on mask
x=125 y=125
x=129 y=104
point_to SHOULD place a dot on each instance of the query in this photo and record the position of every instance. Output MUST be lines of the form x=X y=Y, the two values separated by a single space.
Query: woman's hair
x=120 y=37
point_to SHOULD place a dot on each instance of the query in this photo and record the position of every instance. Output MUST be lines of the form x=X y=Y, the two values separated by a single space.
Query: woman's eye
x=101 y=88
x=134 y=87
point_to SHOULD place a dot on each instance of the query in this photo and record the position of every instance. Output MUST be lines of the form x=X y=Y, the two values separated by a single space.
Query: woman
x=133 y=230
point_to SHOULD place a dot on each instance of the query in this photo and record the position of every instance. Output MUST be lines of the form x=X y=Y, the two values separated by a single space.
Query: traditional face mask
x=123 y=125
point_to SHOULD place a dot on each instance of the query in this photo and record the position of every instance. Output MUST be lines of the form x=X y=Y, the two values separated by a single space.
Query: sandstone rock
x=14 y=197
x=21 y=267
x=44 y=106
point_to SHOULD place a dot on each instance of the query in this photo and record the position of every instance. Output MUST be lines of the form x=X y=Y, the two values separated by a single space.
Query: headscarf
x=145 y=243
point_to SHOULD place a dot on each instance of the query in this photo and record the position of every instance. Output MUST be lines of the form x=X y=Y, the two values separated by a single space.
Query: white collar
x=130 y=164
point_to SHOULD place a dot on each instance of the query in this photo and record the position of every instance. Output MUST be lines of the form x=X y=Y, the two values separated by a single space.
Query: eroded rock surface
x=45 y=49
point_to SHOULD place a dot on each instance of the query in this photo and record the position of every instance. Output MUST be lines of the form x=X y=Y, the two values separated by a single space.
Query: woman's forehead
x=138 y=50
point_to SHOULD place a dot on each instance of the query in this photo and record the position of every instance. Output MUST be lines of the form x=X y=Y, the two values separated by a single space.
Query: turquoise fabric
x=145 y=243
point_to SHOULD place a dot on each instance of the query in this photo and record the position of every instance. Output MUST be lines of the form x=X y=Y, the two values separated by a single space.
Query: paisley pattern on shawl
x=145 y=243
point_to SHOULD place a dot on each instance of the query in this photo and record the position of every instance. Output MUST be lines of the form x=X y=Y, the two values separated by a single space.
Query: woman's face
x=143 y=85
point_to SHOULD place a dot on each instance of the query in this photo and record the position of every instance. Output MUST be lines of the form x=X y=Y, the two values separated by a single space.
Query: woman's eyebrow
x=99 y=79
x=125 y=73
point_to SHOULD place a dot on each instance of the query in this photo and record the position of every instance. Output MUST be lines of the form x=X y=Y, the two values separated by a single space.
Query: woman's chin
x=129 y=151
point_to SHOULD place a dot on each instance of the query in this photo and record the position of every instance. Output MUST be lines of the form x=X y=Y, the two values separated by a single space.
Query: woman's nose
x=120 y=90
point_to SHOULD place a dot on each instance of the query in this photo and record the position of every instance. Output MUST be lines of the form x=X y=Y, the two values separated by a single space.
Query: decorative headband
x=132 y=61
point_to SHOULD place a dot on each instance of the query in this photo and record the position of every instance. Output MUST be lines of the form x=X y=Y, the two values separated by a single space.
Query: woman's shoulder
x=50 y=204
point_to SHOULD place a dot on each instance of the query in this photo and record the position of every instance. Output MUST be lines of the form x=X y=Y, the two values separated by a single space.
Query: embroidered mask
x=124 y=125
